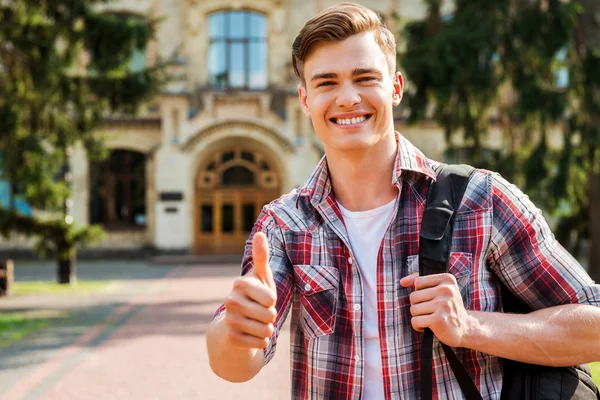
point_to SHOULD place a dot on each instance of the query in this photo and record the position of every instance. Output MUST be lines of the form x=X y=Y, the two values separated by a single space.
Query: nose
x=348 y=96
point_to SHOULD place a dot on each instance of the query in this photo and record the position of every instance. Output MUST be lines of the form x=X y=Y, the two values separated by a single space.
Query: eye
x=326 y=83
x=366 y=79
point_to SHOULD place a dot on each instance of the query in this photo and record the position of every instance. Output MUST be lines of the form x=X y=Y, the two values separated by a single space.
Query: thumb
x=409 y=281
x=260 y=255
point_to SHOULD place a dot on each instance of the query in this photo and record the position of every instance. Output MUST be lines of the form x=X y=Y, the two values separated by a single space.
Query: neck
x=362 y=180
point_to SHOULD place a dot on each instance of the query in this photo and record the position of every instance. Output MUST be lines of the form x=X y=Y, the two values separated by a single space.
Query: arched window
x=118 y=190
x=237 y=55
x=238 y=176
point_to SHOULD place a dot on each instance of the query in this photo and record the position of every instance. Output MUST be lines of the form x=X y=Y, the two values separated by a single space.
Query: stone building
x=226 y=136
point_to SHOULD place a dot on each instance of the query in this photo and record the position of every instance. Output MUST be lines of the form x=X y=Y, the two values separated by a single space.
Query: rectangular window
x=206 y=218
x=248 y=217
x=237 y=55
x=216 y=25
x=227 y=218
x=237 y=25
x=217 y=65
x=258 y=65
x=237 y=65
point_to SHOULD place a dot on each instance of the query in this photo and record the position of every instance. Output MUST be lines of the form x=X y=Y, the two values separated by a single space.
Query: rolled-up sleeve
x=280 y=266
x=528 y=259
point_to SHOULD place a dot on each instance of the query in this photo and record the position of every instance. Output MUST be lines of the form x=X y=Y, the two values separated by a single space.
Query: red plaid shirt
x=499 y=237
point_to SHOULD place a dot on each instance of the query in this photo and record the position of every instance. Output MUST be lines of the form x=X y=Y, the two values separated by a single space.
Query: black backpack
x=521 y=381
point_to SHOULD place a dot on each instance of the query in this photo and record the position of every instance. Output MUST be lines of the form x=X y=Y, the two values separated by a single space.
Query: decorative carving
x=211 y=173
x=237 y=128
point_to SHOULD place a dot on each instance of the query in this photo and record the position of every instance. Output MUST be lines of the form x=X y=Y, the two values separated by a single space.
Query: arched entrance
x=232 y=186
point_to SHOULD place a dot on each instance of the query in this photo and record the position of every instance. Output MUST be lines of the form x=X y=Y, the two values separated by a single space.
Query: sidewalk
x=145 y=340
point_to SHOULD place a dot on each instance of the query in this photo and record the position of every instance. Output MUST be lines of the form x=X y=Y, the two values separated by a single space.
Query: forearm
x=231 y=363
x=556 y=336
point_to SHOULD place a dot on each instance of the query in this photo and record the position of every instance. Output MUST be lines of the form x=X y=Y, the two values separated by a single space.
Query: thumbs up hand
x=250 y=307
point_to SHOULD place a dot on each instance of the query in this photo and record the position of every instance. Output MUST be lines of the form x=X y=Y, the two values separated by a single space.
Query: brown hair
x=337 y=23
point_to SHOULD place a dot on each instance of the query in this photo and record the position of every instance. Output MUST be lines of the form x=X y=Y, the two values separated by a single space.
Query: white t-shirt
x=365 y=231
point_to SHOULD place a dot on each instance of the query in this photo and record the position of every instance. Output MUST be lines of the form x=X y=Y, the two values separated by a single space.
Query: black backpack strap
x=443 y=199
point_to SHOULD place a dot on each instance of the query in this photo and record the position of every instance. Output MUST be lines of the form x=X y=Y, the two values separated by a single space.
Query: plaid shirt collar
x=410 y=164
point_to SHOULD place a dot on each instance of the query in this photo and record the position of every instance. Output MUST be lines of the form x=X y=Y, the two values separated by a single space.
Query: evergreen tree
x=50 y=101
x=502 y=60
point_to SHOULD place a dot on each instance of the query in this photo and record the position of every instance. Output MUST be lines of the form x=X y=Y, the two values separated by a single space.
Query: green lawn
x=82 y=287
x=595 y=367
x=14 y=326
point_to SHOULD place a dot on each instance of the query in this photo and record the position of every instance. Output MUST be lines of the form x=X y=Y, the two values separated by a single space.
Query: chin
x=356 y=143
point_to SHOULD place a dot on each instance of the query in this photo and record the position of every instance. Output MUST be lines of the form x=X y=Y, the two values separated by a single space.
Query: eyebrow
x=363 y=71
x=355 y=72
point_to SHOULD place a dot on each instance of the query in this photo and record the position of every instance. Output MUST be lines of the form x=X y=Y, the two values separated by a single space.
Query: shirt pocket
x=460 y=266
x=318 y=288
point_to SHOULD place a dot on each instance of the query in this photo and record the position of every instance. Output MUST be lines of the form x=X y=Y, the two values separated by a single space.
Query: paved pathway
x=145 y=339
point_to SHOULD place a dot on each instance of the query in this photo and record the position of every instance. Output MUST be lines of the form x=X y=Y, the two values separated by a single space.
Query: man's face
x=349 y=93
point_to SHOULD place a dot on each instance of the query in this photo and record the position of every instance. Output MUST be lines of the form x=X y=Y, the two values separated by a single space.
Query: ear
x=303 y=99
x=398 y=88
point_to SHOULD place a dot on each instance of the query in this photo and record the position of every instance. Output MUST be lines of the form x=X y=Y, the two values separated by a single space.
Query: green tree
x=50 y=101
x=581 y=166
x=501 y=60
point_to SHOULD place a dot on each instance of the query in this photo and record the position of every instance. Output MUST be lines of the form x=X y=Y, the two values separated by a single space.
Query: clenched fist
x=436 y=304
x=250 y=307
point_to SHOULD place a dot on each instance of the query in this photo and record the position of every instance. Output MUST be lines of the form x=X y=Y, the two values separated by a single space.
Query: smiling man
x=341 y=251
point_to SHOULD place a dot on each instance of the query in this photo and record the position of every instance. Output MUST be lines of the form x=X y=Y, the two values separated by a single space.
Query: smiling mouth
x=351 y=121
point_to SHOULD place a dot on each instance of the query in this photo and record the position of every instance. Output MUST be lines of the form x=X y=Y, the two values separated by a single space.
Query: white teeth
x=349 y=121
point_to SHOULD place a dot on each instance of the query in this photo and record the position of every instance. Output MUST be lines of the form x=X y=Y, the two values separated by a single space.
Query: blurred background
x=153 y=131
x=162 y=127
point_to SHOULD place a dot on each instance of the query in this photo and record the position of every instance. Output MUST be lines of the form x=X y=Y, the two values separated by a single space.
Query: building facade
x=226 y=136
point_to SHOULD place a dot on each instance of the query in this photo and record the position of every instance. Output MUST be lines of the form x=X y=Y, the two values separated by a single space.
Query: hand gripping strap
x=443 y=199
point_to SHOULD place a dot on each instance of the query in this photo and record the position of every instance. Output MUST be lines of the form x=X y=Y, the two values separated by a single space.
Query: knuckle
x=444 y=307
x=230 y=321
x=270 y=330
x=413 y=297
x=240 y=283
x=447 y=290
x=264 y=343
x=415 y=323
x=232 y=302
x=418 y=283
x=272 y=314
x=232 y=337
x=451 y=278
x=272 y=296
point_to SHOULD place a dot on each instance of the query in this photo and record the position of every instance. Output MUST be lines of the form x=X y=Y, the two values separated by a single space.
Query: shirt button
x=307 y=287
x=357 y=307
x=357 y=358
x=350 y=260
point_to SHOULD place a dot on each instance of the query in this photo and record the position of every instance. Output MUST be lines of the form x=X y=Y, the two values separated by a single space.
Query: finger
x=421 y=322
x=428 y=281
x=236 y=304
x=243 y=340
x=409 y=281
x=261 y=314
x=260 y=255
x=252 y=288
x=426 y=308
x=422 y=295
x=250 y=326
